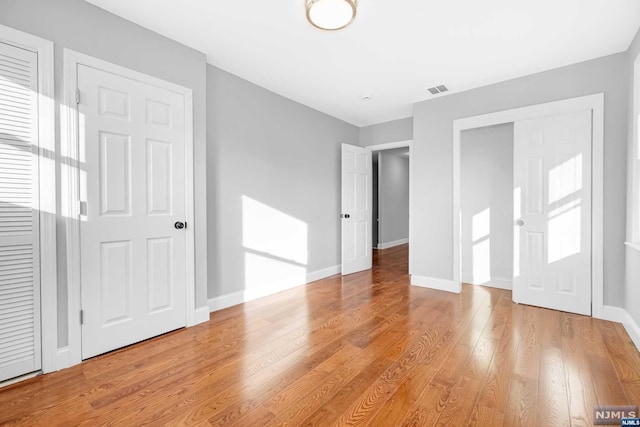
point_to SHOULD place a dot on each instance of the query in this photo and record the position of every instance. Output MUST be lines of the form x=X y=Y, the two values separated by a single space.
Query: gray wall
x=486 y=182
x=393 y=197
x=432 y=156
x=632 y=278
x=281 y=154
x=393 y=131
x=79 y=26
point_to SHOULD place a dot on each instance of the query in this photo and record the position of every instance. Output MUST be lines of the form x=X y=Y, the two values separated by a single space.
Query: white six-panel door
x=20 y=342
x=356 y=209
x=552 y=212
x=132 y=179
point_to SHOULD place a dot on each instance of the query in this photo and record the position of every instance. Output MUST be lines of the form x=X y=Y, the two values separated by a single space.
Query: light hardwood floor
x=363 y=349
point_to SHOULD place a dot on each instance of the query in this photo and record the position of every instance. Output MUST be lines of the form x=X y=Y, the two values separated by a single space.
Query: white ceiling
x=394 y=50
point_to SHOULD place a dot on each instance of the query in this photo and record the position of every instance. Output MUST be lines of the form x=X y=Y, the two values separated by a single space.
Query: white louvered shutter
x=19 y=235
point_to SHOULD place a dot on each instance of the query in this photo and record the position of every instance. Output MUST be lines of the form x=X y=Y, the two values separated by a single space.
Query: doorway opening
x=486 y=193
x=391 y=198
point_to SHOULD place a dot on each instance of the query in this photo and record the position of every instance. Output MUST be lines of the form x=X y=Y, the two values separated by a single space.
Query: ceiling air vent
x=438 y=89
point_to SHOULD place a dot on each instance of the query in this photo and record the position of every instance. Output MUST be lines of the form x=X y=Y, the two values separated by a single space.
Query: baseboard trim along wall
x=433 y=283
x=62 y=358
x=496 y=282
x=392 y=244
x=325 y=272
x=235 y=298
x=620 y=315
x=201 y=315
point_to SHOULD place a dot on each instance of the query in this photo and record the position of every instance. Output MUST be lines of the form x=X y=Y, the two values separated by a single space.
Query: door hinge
x=82 y=208
x=77 y=96
x=82 y=317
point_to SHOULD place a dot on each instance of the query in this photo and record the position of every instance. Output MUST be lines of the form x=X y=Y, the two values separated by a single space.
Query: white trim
x=633 y=329
x=62 y=358
x=235 y=298
x=227 y=300
x=596 y=104
x=325 y=272
x=70 y=187
x=613 y=314
x=620 y=315
x=392 y=244
x=201 y=315
x=434 y=283
x=240 y=297
x=47 y=178
x=633 y=246
x=633 y=165
x=390 y=145
x=495 y=282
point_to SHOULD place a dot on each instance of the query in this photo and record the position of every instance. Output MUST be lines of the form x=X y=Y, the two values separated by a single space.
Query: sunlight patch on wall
x=267 y=230
x=276 y=247
x=481 y=250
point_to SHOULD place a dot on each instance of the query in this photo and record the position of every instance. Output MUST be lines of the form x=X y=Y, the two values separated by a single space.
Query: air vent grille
x=438 y=89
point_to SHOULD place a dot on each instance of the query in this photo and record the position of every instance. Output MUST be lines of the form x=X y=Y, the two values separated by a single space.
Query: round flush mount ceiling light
x=331 y=15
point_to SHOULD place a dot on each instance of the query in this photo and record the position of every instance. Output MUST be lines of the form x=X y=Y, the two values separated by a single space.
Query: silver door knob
x=519 y=223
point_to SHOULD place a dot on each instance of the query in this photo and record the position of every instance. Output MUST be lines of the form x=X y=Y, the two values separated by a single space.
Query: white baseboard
x=620 y=315
x=613 y=314
x=633 y=329
x=392 y=244
x=62 y=359
x=227 y=300
x=201 y=315
x=433 y=283
x=235 y=298
x=325 y=272
x=495 y=282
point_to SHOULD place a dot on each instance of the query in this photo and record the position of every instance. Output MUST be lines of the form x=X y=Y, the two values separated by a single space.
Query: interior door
x=356 y=209
x=552 y=211
x=20 y=341
x=132 y=189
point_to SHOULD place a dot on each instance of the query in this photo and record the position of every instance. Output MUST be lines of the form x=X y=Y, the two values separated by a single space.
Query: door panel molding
x=47 y=189
x=71 y=168
x=595 y=103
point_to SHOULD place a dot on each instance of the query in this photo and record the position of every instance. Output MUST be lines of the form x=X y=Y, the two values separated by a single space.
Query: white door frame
x=47 y=189
x=595 y=103
x=71 y=180
x=390 y=146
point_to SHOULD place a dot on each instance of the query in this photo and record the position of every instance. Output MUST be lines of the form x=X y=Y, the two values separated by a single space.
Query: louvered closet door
x=19 y=262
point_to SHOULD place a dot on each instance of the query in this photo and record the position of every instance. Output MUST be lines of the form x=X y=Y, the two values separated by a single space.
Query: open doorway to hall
x=390 y=185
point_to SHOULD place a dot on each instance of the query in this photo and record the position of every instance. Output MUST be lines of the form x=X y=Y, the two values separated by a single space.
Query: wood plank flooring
x=367 y=349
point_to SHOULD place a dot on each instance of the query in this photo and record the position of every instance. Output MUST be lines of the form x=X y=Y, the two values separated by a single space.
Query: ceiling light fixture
x=331 y=15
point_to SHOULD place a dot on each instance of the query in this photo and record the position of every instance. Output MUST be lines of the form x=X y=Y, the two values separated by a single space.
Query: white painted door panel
x=133 y=259
x=356 y=209
x=552 y=195
x=20 y=341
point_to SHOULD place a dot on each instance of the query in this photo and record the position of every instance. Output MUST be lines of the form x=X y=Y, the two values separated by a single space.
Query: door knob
x=519 y=223
x=180 y=225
